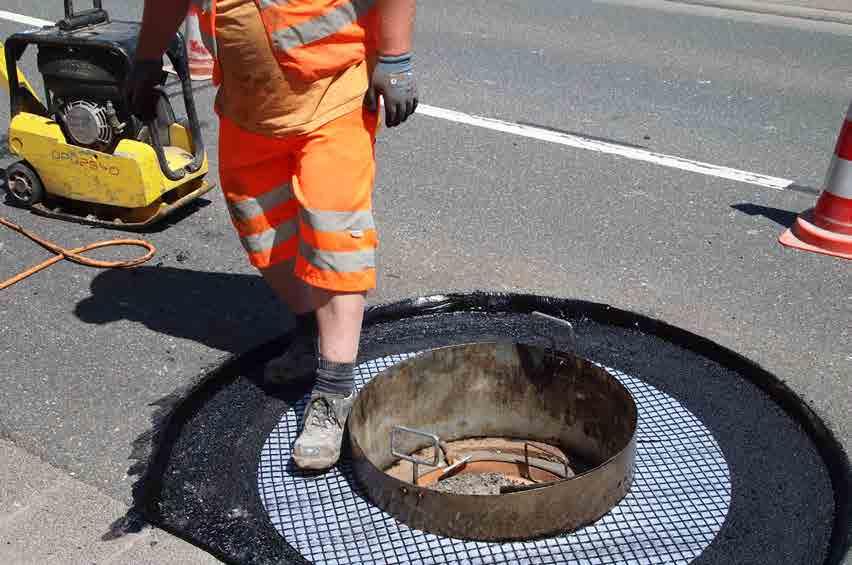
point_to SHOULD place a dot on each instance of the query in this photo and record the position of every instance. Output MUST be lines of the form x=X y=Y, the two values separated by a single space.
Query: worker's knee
x=338 y=299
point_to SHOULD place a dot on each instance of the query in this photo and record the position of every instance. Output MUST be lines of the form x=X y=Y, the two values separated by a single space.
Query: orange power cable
x=75 y=254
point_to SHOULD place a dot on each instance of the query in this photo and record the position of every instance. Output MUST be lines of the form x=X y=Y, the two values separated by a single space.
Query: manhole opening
x=489 y=465
x=494 y=441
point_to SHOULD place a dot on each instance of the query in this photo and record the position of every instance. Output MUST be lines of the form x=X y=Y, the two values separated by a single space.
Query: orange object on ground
x=205 y=12
x=827 y=228
x=75 y=254
x=199 y=57
x=306 y=197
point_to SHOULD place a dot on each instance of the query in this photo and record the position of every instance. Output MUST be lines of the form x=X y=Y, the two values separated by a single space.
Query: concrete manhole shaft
x=558 y=427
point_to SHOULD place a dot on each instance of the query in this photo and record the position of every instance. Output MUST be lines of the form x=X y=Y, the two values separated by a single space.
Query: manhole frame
x=584 y=396
x=830 y=449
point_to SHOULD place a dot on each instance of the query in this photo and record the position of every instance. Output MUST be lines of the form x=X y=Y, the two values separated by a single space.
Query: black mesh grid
x=679 y=500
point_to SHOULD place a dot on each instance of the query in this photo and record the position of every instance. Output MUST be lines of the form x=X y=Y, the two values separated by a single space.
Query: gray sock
x=334 y=378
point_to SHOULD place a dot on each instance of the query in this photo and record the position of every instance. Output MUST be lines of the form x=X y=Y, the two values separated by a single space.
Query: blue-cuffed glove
x=393 y=79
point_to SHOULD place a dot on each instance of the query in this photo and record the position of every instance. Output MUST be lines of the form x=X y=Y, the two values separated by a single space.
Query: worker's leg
x=336 y=256
x=298 y=362
x=257 y=174
x=292 y=290
x=339 y=317
x=336 y=317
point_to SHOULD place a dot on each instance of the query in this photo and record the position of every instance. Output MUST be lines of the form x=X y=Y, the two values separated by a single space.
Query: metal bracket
x=416 y=462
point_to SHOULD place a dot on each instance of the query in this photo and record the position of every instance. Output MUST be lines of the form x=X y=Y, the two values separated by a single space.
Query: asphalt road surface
x=83 y=352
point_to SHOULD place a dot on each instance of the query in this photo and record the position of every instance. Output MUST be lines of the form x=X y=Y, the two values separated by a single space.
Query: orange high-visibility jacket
x=312 y=39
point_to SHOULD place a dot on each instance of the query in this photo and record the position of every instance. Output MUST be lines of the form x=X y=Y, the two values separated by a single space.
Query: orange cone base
x=806 y=236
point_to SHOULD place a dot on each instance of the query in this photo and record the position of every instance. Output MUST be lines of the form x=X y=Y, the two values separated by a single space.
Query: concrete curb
x=48 y=517
x=771 y=8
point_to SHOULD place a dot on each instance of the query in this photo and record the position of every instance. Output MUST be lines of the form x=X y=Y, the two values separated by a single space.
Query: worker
x=299 y=88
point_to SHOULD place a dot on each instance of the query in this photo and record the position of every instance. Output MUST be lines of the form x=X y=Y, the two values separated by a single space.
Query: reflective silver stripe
x=247 y=209
x=321 y=220
x=320 y=27
x=264 y=241
x=338 y=261
x=838 y=181
x=203 y=5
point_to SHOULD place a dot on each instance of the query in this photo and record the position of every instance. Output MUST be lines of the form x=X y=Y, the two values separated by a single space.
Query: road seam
x=770 y=8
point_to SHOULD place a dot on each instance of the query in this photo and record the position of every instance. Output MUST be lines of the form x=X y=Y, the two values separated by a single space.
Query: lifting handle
x=22 y=97
x=76 y=20
x=178 y=56
x=415 y=461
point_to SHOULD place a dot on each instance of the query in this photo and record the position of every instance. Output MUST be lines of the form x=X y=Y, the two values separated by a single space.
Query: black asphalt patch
x=789 y=476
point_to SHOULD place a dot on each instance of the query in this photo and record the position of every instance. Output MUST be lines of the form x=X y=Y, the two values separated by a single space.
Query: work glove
x=143 y=95
x=393 y=79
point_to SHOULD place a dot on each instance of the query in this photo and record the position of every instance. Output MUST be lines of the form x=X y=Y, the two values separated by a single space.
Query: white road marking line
x=26 y=20
x=568 y=140
x=580 y=142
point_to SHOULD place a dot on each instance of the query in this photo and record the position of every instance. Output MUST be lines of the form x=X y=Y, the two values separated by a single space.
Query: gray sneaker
x=318 y=446
x=297 y=364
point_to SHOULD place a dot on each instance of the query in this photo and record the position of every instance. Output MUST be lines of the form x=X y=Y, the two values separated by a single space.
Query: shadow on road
x=781 y=217
x=229 y=312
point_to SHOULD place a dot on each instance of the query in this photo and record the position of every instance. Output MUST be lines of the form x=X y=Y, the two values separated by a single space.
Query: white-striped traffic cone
x=827 y=228
x=200 y=59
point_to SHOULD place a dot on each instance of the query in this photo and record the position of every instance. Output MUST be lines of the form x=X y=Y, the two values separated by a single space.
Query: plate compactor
x=84 y=156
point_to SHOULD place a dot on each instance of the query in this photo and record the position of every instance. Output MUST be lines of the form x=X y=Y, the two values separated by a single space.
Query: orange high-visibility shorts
x=306 y=197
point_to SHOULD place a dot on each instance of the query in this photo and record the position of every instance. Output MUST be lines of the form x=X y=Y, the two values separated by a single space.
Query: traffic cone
x=827 y=228
x=200 y=59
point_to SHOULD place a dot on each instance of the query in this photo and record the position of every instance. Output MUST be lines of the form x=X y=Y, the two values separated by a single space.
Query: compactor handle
x=22 y=97
x=76 y=20
x=178 y=56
